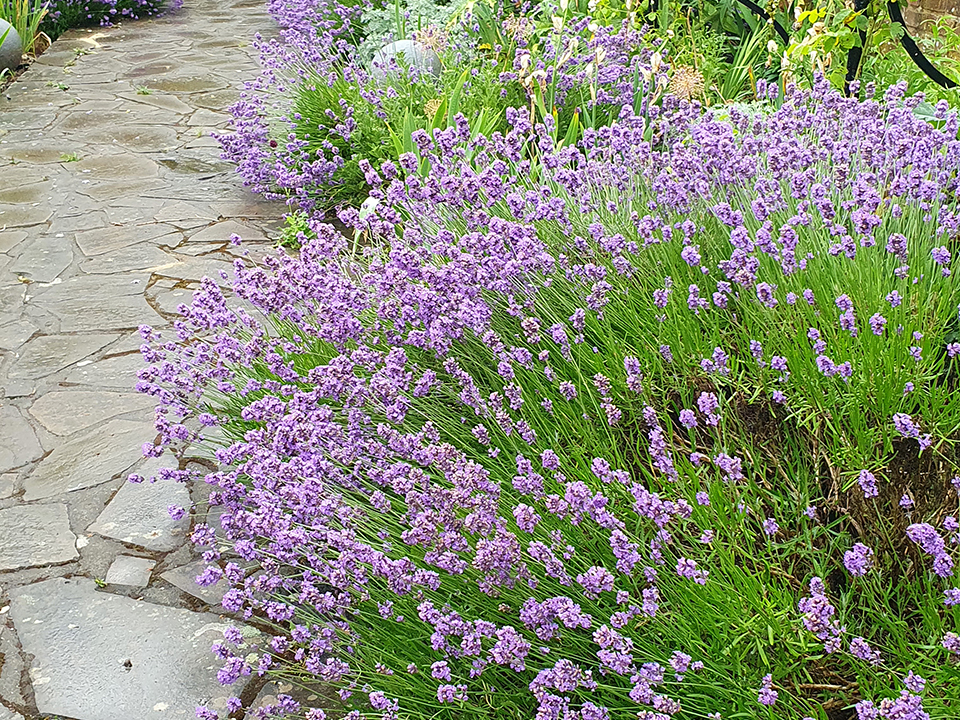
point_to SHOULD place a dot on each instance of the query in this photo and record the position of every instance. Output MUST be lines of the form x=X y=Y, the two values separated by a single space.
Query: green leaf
x=897 y=31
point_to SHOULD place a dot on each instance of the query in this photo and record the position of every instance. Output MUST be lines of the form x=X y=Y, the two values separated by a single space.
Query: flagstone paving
x=114 y=203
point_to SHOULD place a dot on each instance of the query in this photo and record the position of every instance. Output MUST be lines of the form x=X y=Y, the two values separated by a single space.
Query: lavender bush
x=662 y=425
x=319 y=108
x=65 y=14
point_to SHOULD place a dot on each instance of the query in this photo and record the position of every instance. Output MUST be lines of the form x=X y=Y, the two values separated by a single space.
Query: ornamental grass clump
x=608 y=435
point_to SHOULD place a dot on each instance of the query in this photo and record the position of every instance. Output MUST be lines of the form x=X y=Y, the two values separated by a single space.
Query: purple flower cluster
x=461 y=441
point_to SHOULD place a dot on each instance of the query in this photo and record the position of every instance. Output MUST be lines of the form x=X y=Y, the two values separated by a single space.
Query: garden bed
x=614 y=400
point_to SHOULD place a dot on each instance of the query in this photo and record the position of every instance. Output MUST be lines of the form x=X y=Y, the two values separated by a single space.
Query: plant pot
x=11 y=50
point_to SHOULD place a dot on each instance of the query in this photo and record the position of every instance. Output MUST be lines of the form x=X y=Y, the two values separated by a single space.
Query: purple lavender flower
x=859 y=648
x=767 y=696
x=868 y=484
x=688 y=419
x=858 y=560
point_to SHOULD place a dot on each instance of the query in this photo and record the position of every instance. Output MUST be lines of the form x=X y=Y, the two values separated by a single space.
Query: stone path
x=113 y=204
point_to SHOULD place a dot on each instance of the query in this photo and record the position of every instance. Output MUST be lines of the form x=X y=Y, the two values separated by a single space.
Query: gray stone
x=185 y=578
x=129 y=570
x=7 y=714
x=114 y=372
x=97 y=457
x=11 y=669
x=138 y=515
x=92 y=303
x=98 y=241
x=9 y=240
x=18 y=443
x=63 y=413
x=412 y=53
x=11 y=49
x=33 y=535
x=139 y=258
x=15 y=216
x=8 y=485
x=50 y=353
x=15 y=334
x=221 y=232
x=44 y=259
x=98 y=656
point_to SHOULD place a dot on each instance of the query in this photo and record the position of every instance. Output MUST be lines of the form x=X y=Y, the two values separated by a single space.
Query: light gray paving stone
x=17 y=216
x=44 y=259
x=51 y=353
x=98 y=656
x=98 y=241
x=94 y=458
x=15 y=334
x=221 y=232
x=138 y=258
x=129 y=570
x=7 y=714
x=87 y=302
x=8 y=485
x=11 y=238
x=18 y=442
x=11 y=667
x=34 y=535
x=114 y=372
x=138 y=515
x=185 y=578
x=66 y=412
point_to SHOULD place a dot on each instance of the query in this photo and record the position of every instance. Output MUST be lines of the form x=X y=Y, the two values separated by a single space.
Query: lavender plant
x=318 y=111
x=64 y=14
x=661 y=425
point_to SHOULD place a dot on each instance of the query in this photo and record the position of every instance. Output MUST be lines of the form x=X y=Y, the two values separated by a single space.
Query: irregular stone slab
x=34 y=535
x=166 y=102
x=138 y=515
x=10 y=239
x=118 y=167
x=197 y=268
x=117 y=372
x=15 y=334
x=15 y=216
x=105 y=240
x=137 y=138
x=11 y=671
x=18 y=443
x=144 y=256
x=35 y=153
x=64 y=413
x=132 y=211
x=185 y=578
x=34 y=192
x=183 y=214
x=222 y=231
x=44 y=259
x=8 y=486
x=6 y=714
x=92 y=459
x=188 y=85
x=132 y=571
x=50 y=353
x=99 y=656
x=91 y=303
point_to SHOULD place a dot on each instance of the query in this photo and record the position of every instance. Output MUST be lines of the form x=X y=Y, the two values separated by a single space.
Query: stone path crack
x=114 y=203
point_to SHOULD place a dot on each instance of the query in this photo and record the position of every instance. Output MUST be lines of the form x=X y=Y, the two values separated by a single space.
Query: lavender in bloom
x=858 y=560
x=767 y=696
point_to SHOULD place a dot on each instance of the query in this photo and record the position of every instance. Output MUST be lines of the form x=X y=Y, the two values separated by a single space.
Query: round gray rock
x=412 y=53
x=11 y=51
